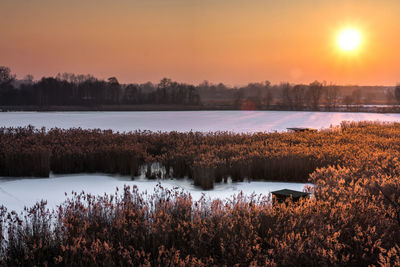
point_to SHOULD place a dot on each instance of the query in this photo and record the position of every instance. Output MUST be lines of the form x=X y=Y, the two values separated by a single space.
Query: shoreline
x=361 y=108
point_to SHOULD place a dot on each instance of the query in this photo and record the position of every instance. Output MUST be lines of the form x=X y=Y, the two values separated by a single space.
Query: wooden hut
x=299 y=129
x=282 y=195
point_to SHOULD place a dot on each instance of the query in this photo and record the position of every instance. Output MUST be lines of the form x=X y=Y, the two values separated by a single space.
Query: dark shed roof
x=288 y=193
x=300 y=129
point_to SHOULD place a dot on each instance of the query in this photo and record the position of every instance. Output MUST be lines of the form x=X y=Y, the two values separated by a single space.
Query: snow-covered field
x=17 y=193
x=182 y=121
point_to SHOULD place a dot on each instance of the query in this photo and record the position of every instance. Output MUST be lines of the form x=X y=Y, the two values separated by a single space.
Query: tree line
x=314 y=96
x=86 y=90
x=72 y=89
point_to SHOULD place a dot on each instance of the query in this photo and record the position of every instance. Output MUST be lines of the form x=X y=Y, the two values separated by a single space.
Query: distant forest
x=76 y=90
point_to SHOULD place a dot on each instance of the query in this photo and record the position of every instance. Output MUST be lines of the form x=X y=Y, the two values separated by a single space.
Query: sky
x=229 y=41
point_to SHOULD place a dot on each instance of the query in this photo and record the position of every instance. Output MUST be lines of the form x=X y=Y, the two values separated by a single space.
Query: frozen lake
x=183 y=121
x=17 y=193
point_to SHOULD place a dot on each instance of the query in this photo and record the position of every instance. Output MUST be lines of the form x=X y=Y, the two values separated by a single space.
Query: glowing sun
x=349 y=39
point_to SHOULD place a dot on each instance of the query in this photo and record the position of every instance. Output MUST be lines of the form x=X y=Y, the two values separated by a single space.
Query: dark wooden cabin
x=298 y=129
x=282 y=195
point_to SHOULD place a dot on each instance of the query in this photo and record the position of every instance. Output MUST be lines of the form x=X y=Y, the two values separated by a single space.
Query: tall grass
x=204 y=157
x=353 y=220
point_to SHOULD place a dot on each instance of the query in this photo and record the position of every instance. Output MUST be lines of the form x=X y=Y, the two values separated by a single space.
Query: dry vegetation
x=205 y=158
x=354 y=218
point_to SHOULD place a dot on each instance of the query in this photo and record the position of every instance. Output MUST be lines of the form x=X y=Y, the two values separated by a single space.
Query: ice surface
x=183 y=121
x=17 y=193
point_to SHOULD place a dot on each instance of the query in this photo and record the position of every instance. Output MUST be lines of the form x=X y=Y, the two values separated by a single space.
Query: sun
x=349 y=39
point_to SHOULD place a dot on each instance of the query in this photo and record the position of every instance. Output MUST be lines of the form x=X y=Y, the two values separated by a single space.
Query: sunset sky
x=228 y=41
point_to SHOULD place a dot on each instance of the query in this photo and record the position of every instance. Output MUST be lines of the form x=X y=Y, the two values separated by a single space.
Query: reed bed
x=353 y=220
x=204 y=157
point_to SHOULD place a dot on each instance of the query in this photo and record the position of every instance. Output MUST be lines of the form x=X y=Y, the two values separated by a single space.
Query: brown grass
x=353 y=218
x=205 y=158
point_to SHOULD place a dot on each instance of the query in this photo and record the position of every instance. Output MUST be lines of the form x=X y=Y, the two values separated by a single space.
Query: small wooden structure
x=299 y=129
x=282 y=195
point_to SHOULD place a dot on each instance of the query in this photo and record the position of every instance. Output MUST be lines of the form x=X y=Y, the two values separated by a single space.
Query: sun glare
x=349 y=39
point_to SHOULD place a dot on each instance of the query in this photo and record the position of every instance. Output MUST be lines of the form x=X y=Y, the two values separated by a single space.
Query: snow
x=183 y=121
x=17 y=193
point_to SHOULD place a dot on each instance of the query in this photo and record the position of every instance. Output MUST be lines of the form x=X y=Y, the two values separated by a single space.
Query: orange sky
x=230 y=41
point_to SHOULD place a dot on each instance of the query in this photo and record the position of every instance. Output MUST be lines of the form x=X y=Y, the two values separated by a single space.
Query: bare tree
x=113 y=90
x=315 y=90
x=356 y=95
x=239 y=96
x=397 y=93
x=390 y=97
x=5 y=76
x=267 y=94
x=331 y=96
x=286 y=95
x=348 y=100
x=299 y=96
